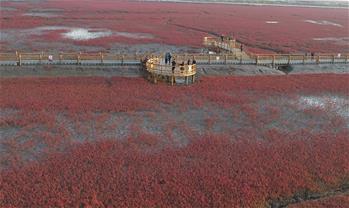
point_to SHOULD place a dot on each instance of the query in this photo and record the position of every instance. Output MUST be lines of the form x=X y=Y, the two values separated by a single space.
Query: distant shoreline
x=279 y=4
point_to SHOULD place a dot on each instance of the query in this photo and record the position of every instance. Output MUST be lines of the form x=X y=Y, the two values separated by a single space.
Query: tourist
x=173 y=66
x=188 y=62
x=241 y=47
x=169 y=58
x=194 y=62
x=182 y=66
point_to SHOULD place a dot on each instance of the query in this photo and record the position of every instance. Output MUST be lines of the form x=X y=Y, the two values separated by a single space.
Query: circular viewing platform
x=158 y=70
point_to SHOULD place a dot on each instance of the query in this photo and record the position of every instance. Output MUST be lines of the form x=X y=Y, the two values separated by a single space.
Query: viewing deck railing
x=162 y=69
x=157 y=70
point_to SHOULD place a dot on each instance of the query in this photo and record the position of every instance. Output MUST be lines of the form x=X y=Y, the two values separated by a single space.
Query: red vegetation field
x=212 y=171
x=181 y=24
x=249 y=145
x=222 y=142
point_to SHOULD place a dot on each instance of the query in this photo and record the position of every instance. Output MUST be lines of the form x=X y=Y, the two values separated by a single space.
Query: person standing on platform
x=166 y=58
x=173 y=66
x=169 y=58
x=182 y=66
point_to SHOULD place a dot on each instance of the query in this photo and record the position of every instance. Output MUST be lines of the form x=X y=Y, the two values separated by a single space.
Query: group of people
x=168 y=58
x=181 y=65
x=224 y=38
x=311 y=54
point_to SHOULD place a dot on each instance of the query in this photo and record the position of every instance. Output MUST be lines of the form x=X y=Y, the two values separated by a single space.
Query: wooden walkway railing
x=225 y=43
x=13 y=59
x=234 y=48
x=69 y=58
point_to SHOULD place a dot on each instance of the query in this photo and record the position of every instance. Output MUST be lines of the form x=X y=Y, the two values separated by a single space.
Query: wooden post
x=40 y=56
x=303 y=59
x=172 y=80
x=346 y=58
x=240 y=58
x=122 y=60
x=155 y=78
x=318 y=59
x=333 y=57
x=60 y=57
x=225 y=59
x=209 y=59
x=289 y=59
x=78 y=59
x=273 y=61
x=19 y=60
x=102 y=57
x=257 y=59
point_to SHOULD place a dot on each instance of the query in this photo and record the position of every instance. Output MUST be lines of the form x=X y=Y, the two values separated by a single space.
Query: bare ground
x=136 y=71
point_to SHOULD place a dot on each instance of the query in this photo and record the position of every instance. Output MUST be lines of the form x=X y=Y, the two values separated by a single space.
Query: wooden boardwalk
x=230 y=53
x=273 y=60
x=19 y=59
x=242 y=56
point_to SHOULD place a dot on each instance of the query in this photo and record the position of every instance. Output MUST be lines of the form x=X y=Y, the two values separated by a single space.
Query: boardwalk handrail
x=230 y=44
x=222 y=58
x=226 y=43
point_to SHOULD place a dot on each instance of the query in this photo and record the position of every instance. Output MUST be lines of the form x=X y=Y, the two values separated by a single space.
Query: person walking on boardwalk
x=188 y=62
x=241 y=47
